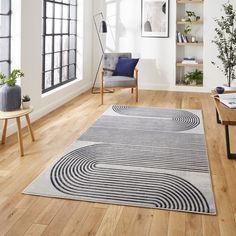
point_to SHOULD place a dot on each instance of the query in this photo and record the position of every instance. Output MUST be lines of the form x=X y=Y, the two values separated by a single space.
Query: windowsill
x=60 y=88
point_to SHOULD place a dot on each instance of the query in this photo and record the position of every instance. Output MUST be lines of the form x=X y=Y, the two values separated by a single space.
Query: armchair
x=108 y=80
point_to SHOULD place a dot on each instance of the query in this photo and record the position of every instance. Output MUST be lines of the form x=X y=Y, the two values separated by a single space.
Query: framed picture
x=155 y=18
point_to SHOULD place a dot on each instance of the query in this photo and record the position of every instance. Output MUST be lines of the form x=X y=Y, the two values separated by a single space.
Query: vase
x=10 y=97
x=26 y=105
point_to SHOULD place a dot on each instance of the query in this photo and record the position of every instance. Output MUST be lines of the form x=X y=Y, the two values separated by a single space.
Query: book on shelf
x=189 y=60
x=228 y=99
x=180 y=38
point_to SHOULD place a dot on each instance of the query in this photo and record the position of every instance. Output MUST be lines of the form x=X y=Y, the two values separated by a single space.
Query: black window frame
x=71 y=4
x=9 y=36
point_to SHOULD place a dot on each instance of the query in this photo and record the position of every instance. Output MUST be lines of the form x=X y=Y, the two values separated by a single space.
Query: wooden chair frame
x=132 y=87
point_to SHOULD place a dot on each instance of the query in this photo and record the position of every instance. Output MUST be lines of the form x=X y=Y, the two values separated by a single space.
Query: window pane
x=72 y=42
x=71 y=72
x=48 y=62
x=48 y=79
x=65 y=27
x=48 y=44
x=65 y=43
x=57 y=60
x=4 y=6
x=49 y=26
x=58 y=9
x=65 y=12
x=56 y=77
x=49 y=10
x=72 y=27
x=73 y=2
x=4 y=49
x=72 y=57
x=60 y=42
x=4 y=68
x=57 y=43
x=72 y=12
x=64 y=73
x=65 y=58
x=57 y=29
x=4 y=26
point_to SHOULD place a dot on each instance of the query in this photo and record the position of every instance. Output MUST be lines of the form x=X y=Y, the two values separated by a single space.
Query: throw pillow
x=125 y=67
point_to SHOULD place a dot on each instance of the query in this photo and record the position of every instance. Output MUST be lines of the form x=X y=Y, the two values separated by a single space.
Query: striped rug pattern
x=147 y=157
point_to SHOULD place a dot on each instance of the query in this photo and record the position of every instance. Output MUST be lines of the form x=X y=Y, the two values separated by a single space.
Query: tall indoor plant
x=225 y=41
x=10 y=93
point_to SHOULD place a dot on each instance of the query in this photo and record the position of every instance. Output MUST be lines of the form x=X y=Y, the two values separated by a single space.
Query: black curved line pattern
x=183 y=120
x=86 y=173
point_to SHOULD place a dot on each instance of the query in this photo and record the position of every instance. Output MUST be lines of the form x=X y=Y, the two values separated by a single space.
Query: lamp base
x=97 y=90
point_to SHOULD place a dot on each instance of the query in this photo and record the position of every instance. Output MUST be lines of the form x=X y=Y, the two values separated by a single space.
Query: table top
x=227 y=115
x=14 y=114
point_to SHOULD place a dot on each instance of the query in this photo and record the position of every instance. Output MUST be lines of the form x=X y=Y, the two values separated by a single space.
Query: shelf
x=199 y=22
x=188 y=85
x=189 y=1
x=179 y=64
x=190 y=44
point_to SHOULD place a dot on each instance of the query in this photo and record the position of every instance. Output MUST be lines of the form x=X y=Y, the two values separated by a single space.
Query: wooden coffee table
x=227 y=117
x=17 y=114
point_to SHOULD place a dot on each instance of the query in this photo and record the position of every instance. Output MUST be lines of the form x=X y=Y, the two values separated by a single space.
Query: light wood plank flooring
x=28 y=215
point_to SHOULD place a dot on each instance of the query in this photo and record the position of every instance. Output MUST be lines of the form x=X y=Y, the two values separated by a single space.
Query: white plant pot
x=193 y=83
x=26 y=105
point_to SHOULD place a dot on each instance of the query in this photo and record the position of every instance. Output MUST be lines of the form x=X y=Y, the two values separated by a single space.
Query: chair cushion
x=110 y=60
x=119 y=81
x=125 y=67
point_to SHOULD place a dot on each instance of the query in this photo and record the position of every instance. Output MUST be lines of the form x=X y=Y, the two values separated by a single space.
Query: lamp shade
x=103 y=27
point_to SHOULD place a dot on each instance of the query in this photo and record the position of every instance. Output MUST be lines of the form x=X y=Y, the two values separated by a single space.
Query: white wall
x=157 y=64
x=29 y=56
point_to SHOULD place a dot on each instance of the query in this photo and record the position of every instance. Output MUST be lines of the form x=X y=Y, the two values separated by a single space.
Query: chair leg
x=101 y=87
x=136 y=94
x=132 y=90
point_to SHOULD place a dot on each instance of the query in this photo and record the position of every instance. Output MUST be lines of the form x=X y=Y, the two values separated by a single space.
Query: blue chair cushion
x=125 y=67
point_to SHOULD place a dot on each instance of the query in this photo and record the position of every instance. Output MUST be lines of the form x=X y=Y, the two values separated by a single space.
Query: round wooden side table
x=17 y=114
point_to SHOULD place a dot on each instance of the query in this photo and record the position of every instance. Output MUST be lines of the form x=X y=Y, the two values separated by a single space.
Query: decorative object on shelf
x=225 y=41
x=26 y=102
x=191 y=16
x=193 y=78
x=220 y=90
x=10 y=93
x=155 y=18
x=101 y=29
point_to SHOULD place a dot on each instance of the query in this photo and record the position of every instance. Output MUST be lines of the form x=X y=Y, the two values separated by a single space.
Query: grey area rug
x=147 y=157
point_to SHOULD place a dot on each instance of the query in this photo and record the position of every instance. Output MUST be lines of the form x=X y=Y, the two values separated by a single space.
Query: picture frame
x=155 y=18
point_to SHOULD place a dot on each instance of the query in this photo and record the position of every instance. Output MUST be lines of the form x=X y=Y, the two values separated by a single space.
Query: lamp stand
x=95 y=90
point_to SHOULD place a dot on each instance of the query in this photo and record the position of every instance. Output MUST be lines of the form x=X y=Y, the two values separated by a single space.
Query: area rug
x=146 y=157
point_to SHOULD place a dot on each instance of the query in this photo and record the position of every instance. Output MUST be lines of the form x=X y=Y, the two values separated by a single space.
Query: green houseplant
x=10 y=93
x=225 y=41
x=194 y=77
x=191 y=16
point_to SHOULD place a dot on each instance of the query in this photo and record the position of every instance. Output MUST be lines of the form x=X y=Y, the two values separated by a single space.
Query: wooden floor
x=28 y=215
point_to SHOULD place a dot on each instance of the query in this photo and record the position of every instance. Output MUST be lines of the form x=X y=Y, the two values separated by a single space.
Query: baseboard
x=37 y=114
x=167 y=87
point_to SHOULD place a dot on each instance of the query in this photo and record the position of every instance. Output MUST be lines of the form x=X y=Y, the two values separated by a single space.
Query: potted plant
x=26 y=102
x=10 y=93
x=193 y=78
x=191 y=16
x=225 y=41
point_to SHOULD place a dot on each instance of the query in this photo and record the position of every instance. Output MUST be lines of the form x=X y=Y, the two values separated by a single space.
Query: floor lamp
x=102 y=29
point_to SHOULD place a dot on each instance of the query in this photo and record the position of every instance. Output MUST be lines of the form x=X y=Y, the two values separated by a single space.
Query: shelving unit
x=189 y=49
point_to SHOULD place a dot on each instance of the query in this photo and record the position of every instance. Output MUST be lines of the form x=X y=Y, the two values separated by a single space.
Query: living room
x=115 y=117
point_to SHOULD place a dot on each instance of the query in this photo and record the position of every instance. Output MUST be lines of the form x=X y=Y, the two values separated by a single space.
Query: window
x=59 y=43
x=5 y=36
